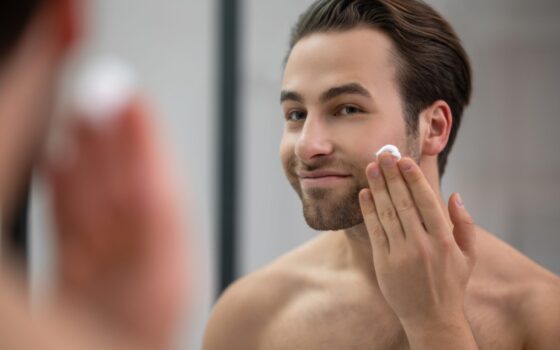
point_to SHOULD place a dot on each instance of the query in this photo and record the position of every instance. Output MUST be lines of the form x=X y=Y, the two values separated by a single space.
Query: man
x=120 y=250
x=397 y=269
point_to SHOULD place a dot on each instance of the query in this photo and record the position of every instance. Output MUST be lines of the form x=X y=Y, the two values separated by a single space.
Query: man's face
x=341 y=102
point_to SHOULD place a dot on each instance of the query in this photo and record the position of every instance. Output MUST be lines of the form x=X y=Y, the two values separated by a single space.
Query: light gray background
x=505 y=162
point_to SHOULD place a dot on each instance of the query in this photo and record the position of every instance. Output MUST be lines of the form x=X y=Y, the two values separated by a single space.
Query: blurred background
x=214 y=71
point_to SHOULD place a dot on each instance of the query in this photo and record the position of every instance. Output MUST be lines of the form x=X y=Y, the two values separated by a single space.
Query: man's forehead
x=361 y=55
x=343 y=46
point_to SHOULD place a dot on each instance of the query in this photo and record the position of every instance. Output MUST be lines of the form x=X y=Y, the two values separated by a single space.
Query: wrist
x=440 y=334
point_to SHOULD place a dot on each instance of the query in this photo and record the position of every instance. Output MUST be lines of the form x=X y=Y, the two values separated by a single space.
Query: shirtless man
x=397 y=269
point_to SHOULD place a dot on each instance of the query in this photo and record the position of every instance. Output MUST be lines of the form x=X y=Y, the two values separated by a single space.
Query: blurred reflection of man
x=121 y=280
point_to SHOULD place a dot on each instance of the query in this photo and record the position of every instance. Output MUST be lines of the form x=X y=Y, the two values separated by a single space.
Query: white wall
x=505 y=161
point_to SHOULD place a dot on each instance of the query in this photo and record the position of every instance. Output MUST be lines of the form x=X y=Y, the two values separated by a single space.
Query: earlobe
x=437 y=121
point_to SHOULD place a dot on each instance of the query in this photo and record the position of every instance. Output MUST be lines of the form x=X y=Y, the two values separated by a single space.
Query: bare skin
x=316 y=298
x=410 y=272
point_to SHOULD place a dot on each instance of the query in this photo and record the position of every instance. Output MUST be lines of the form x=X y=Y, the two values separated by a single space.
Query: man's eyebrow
x=351 y=89
x=286 y=95
x=346 y=89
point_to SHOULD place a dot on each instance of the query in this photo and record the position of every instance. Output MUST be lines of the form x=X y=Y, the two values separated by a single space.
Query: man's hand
x=121 y=250
x=422 y=262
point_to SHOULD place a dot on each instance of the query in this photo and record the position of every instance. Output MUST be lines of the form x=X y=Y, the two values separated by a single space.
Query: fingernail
x=387 y=160
x=459 y=200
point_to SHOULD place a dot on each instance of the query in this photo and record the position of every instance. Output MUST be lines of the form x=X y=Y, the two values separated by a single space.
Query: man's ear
x=435 y=127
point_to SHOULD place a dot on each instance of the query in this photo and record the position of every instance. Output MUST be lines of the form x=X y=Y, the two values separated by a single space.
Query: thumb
x=464 y=229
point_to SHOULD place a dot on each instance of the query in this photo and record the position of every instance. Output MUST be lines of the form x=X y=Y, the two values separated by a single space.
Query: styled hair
x=431 y=62
x=14 y=17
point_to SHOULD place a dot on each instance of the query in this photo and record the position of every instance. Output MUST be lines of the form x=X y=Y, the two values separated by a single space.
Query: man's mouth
x=320 y=178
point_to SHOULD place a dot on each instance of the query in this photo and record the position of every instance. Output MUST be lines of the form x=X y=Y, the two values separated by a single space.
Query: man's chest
x=346 y=324
x=334 y=321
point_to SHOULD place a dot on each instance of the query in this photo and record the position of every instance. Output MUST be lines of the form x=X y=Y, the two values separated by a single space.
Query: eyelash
x=289 y=114
x=355 y=110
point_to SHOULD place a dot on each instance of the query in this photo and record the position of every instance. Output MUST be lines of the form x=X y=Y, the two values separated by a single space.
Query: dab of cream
x=104 y=89
x=391 y=149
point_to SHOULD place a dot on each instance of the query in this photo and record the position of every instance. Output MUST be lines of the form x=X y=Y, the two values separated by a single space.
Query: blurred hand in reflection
x=121 y=232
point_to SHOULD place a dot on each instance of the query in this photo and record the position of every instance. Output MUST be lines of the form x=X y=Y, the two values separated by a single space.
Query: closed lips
x=320 y=174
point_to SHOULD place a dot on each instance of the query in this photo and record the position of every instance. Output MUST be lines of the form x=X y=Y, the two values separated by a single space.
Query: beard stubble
x=323 y=208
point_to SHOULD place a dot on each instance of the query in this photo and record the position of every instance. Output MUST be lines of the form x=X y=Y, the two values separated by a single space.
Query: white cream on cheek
x=391 y=149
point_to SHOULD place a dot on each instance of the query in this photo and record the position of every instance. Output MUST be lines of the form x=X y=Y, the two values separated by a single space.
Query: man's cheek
x=286 y=151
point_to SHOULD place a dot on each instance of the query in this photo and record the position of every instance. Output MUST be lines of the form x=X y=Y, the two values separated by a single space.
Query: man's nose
x=314 y=140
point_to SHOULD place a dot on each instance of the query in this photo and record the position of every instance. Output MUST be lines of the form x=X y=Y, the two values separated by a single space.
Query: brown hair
x=432 y=63
x=14 y=16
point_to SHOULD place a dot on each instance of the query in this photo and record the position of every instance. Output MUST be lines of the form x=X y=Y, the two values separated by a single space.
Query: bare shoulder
x=249 y=305
x=528 y=293
x=541 y=312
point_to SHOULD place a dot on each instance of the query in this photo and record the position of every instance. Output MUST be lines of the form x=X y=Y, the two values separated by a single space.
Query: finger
x=64 y=195
x=464 y=229
x=77 y=201
x=377 y=236
x=105 y=156
x=425 y=198
x=385 y=210
x=401 y=197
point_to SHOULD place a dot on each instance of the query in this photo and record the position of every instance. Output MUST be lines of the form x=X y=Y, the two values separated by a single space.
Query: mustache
x=295 y=165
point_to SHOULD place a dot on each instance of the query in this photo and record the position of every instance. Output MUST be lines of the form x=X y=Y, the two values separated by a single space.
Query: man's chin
x=334 y=215
x=326 y=225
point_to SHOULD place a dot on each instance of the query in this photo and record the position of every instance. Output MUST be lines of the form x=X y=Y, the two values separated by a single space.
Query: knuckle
x=373 y=226
x=468 y=221
x=404 y=205
x=414 y=177
x=391 y=175
x=377 y=231
x=388 y=214
x=372 y=223
x=445 y=243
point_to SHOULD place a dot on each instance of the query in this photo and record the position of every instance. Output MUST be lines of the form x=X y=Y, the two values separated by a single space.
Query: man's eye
x=348 y=110
x=295 y=116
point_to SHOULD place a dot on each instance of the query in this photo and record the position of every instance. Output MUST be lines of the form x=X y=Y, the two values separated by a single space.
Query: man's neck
x=360 y=255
